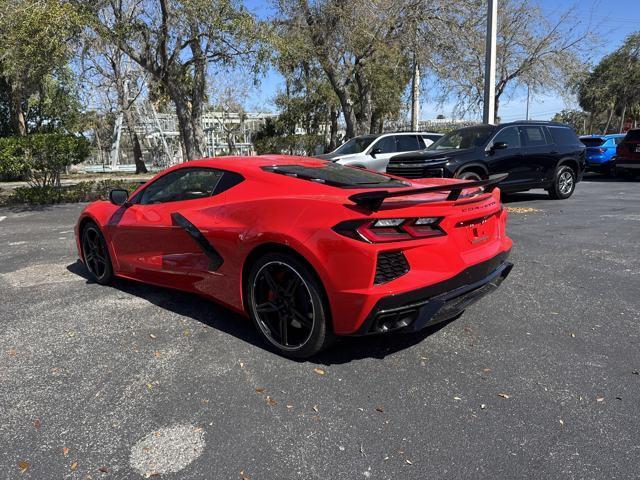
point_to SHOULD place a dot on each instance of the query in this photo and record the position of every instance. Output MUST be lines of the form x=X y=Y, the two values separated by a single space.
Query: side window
x=533 y=136
x=510 y=136
x=564 y=136
x=386 y=145
x=423 y=143
x=407 y=143
x=183 y=184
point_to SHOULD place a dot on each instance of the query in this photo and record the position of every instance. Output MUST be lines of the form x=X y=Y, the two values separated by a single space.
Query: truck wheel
x=564 y=183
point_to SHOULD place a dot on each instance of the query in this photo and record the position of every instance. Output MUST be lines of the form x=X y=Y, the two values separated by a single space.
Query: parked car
x=373 y=151
x=535 y=155
x=304 y=247
x=628 y=154
x=601 y=150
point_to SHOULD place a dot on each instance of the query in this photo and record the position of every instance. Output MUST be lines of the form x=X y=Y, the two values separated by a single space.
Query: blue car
x=601 y=150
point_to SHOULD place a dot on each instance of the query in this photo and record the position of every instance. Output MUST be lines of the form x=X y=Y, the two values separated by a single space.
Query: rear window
x=633 y=135
x=564 y=136
x=337 y=175
x=592 y=142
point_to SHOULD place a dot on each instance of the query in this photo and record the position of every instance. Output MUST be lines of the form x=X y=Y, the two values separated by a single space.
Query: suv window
x=618 y=140
x=407 y=143
x=533 y=136
x=592 y=141
x=386 y=145
x=563 y=136
x=633 y=135
x=182 y=184
x=510 y=136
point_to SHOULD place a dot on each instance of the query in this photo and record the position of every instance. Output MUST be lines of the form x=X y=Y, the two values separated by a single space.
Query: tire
x=284 y=293
x=564 y=183
x=95 y=254
x=469 y=175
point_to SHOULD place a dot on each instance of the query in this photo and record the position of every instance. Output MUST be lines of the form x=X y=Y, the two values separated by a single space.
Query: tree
x=37 y=42
x=352 y=43
x=176 y=42
x=575 y=118
x=533 y=50
x=612 y=87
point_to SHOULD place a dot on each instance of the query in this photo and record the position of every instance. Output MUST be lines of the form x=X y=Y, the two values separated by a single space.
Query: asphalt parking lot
x=539 y=380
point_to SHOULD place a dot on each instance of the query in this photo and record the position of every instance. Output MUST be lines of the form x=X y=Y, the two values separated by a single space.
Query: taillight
x=391 y=229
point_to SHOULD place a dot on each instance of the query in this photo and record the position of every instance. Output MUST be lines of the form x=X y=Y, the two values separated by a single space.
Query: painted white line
x=2 y=218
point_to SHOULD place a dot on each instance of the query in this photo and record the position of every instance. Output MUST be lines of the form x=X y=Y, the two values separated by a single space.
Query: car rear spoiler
x=374 y=199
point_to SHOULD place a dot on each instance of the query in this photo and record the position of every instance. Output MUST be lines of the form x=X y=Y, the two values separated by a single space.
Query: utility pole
x=489 y=113
x=527 y=102
x=415 y=96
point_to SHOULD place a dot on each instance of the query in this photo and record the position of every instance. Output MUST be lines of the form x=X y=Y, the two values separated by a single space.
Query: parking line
x=2 y=218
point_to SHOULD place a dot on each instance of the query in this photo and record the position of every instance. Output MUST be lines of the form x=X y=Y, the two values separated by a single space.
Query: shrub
x=40 y=158
x=80 y=192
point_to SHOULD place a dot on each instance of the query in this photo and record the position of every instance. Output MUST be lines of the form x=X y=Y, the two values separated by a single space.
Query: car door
x=538 y=155
x=380 y=152
x=153 y=238
x=509 y=159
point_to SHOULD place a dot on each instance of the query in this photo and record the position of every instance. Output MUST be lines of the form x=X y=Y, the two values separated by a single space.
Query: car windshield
x=338 y=175
x=592 y=142
x=355 y=145
x=464 y=138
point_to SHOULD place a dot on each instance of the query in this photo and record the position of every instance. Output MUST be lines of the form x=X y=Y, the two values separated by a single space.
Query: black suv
x=534 y=154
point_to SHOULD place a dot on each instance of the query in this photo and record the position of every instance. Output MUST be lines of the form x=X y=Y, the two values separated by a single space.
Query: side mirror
x=499 y=146
x=375 y=151
x=118 y=196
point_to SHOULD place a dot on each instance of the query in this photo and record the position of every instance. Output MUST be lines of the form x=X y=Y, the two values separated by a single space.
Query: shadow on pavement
x=216 y=316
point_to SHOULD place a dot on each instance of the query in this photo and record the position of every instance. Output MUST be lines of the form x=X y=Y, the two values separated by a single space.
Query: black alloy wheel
x=286 y=303
x=96 y=255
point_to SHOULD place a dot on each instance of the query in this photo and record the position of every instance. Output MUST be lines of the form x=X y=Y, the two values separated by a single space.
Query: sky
x=611 y=20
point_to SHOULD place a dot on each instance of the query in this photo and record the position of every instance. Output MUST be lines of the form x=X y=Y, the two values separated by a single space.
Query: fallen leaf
x=521 y=210
x=74 y=466
x=289 y=406
x=408 y=461
x=197 y=429
x=270 y=400
x=65 y=451
x=12 y=352
x=104 y=469
x=483 y=406
x=241 y=365
x=23 y=465
x=186 y=333
x=561 y=422
x=315 y=408
x=636 y=372
x=152 y=336
x=503 y=395
x=319 y=371
x=573 y=335
x=457 y=398
x=37 y=423
x=157 y=353
x=380 y=409
x=243 y=476
x=486 y=370
x=599 y=399
x=259 y=390
x=149 y=386
x=71 y=333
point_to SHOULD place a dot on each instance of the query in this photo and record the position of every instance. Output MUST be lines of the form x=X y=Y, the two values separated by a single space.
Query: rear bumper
x=417 y=309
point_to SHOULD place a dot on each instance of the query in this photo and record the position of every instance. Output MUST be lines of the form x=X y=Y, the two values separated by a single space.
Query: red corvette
x=308 y=249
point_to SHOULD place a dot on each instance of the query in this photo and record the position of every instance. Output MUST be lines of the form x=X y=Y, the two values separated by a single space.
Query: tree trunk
x=19 y=121
x=135 y=143
x=496 y=118
x=624 y=113
x=333 y=132
x=606 y=127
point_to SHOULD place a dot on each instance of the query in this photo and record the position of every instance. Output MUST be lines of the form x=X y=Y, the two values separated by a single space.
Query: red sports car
x=308 y=249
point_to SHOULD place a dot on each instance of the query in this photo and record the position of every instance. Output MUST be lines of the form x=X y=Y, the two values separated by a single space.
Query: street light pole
x=527 y=101
x=489 y=110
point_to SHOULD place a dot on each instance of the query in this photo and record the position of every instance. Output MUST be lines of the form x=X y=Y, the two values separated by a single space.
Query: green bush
x=80 y=192
x=41 y=157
